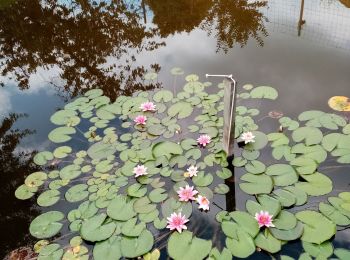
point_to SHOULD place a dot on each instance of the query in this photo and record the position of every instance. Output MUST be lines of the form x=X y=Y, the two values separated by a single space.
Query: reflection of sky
x=327 y=21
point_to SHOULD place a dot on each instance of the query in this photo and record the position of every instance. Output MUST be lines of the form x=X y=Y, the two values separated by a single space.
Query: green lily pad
x=48 y=198
x=96 y=229
x=241 y=247
x=24 y=192
x=256 y=184
x=77 y=193
x=288 y=235
x=166 y=149
x=131 y=229
x=180 y=109
x=333 y=214
x=183 y=246
x=311 y=135
x=163 y=96
x=108 y=249
x=264 y=92
x=282 y=174
x=202 y=179
x=61 y=134
x=316 y=184
x=136 y=246
x=158 y=195
x=267 y=242
x=101 y=150
x=121 y=209
x=324 y=250
x=46 y=225
x=42 y=158
x=51 y=252
x=317 y=228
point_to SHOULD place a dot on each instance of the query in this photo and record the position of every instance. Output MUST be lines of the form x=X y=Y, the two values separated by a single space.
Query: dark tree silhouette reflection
x=82 y=40
x=15 y=215
x=178 y=16
x=235 y=21
x=229 y=21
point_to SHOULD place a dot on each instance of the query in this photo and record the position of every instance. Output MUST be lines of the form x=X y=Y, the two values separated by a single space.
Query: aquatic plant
x=124 y=184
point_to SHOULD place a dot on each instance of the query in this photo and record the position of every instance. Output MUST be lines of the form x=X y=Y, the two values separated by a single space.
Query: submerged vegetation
x=133 y=173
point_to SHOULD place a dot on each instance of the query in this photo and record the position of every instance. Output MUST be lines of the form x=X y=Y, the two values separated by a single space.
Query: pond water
x=54 y=51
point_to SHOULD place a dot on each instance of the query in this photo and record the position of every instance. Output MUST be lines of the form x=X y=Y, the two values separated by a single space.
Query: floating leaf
x=42 y=158
x=222 y=189
x=101 y=150
x=163 y=96
x=202 y=179
x=311 y=135
x=166 y=149
x=316 y=184
x=48 y=198
x=260 y=141
x=95 y=229
x=51 y=252
x=108 y=249
x=120 y=209
x=77 y=193
x=61 y=134
x=183 y=246
x=282 y=174
x=24 y=192
x=256 y=184
x=288 y=235
x=136 y=246
x=339 y=103
x=264 y=92
x=317 y=228
x=158 y=195
x=131 y=229
x=46 y=225
x=241 y=247
x=333 y=214
x=180 y=109
x=266 y=203
x=324 y=250
x=268 y=242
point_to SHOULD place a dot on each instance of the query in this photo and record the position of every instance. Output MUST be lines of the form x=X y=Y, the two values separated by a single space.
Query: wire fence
x=323 y=22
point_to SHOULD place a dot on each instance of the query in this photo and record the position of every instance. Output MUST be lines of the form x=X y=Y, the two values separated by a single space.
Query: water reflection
x=91 y=44
x=77 y=40
x=15 y=215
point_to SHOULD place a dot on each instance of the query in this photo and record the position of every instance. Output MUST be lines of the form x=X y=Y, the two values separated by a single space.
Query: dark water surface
x=52 y=51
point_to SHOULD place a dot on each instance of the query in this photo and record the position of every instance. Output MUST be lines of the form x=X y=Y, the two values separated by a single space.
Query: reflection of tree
x=230 y=21
x=235 y=21
x=80 y=40
x=177 y=16
x=15 y=215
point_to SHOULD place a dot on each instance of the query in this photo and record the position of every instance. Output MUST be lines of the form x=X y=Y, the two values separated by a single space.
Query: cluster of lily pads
x=143 y=161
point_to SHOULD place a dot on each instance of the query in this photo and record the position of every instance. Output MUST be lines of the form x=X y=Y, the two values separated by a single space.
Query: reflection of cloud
x=5 y=102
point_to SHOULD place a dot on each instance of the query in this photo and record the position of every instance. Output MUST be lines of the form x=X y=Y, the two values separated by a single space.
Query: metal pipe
x=229 y=113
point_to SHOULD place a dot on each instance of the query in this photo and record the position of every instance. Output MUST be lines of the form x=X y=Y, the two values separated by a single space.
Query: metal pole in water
x=229 y=113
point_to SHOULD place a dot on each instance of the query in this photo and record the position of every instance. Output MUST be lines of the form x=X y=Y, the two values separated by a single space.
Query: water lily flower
x=203 y=140
x=140 y=170
x=148 y=106
x=192 y=171
x=203 y=202
x=140 y=120
x=187 y=193
x=248 y=137
x=176 y=221
x=264 y=219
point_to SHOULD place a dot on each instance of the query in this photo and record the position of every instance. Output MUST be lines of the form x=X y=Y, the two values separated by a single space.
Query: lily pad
x=96 y=229
x=46 y=225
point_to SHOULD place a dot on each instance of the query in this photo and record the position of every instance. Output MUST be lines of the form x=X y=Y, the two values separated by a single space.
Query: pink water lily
x=192 y=171
x=176 y=221
x=140 y=170
x=203 y=202
x=203 y=140
x=187 y=193
x=148 y=106
x=264 y=219
x=140 y=120
x=248 y=137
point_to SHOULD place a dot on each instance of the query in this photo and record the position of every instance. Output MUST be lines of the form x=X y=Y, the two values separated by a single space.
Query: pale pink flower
x=140 y=120
x=248 y=137
x=148 y=106
x=203 y=202
x=264 y=219
x=203 y=140
x=187 y=193
x=176 y=221
x=140 y=170
x=192 y=171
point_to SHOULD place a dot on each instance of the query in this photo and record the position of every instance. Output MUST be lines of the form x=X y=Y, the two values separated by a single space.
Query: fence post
x=229 y=113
